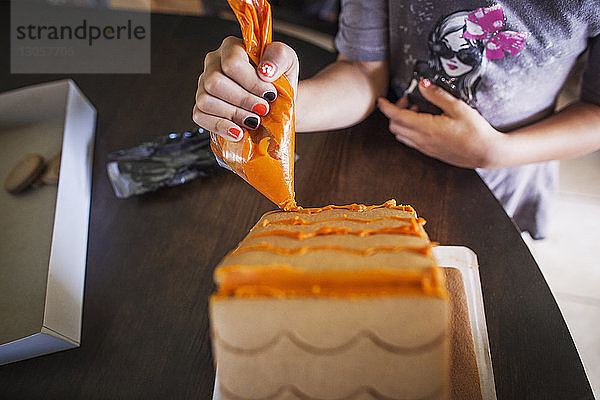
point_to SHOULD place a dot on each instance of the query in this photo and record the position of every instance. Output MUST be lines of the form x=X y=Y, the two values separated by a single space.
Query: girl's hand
x=232 y=94
x=459 y=136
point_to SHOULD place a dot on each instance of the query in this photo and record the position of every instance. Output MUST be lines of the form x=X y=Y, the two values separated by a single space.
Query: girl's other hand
x=459 y=136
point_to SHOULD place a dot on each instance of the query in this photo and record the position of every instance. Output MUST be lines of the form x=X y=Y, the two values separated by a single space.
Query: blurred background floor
x=568 y=257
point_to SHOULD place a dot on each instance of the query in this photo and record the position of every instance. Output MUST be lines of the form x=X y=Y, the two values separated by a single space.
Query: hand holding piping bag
x=264 y=157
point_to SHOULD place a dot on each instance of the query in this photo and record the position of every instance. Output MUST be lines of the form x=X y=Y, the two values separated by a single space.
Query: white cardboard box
x=43 y=232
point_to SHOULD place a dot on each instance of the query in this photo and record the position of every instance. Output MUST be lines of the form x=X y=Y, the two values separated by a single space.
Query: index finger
x=235 y=63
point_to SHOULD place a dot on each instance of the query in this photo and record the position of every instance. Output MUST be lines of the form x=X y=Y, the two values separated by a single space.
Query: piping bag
x=264 y=157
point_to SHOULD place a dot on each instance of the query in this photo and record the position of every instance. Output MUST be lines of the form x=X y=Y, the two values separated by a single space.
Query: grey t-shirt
x=507 y=59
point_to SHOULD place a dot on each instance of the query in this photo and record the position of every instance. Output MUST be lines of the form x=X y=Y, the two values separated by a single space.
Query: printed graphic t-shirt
x=507 y=59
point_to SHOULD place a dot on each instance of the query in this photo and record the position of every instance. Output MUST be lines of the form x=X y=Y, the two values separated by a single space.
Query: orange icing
x=335 y=230
x=302 y=221
x=354 y=207
x=286 y=281
x=265 y=156
x=425 y=250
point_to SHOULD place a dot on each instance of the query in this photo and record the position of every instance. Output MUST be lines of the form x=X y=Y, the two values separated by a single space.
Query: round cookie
x=24 y=173
x=50 y=175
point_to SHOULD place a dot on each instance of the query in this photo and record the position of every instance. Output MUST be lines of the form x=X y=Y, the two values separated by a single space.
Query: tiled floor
x=569 y=257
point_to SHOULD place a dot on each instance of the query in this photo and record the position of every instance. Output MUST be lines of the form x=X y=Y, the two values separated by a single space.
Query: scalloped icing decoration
x=285 y=391
x=403 y=321
x=333 y=375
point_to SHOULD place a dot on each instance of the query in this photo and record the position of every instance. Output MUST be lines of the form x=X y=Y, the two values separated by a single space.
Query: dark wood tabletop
x=150 y=258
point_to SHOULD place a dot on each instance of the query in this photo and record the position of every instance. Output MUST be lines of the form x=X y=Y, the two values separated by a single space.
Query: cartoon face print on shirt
x=457 y=55
x=455 y=63
x=460 y=45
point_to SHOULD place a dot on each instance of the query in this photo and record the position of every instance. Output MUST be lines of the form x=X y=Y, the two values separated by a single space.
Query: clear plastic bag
x=265 y=156
x=166 y=161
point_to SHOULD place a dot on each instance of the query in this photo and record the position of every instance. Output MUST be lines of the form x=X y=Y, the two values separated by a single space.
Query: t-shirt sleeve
x=363 y=30
x=590 y=84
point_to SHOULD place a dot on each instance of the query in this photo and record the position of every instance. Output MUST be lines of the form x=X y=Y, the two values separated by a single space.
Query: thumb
x=436 y=95
x=278 y=59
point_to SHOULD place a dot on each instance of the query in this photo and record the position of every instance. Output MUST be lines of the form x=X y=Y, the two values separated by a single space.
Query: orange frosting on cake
x=353 y=207
x=332 y=230
x=300 y=221
x=425 y=250
x=287 y=280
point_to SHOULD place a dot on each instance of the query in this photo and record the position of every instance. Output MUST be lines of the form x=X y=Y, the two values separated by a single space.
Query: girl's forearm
x=341 y=95
x=569 y=133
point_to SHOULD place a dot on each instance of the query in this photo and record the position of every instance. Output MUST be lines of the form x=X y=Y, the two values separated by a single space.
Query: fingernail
x=425 y=82
x=234 y=133
x=260 y=109
x=251 y=122
x=267 y=69
x=270 y=96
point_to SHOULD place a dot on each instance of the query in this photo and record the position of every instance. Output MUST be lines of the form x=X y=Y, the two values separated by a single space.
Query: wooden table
x=150 y=258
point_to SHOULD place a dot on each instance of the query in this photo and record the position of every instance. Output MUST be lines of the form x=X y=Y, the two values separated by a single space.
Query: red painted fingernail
x=234 y=133
x=267 y=69
x=260 y=109
x=425 y=82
